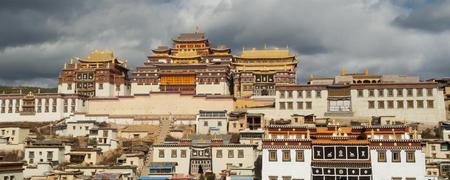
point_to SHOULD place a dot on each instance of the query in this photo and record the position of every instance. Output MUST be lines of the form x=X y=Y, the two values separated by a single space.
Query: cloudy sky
x=391 y=37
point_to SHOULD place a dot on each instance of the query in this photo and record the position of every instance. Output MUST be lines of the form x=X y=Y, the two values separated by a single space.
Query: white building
x=419 y=102
x=14 y=135
x=85 y=156
x=40 y=107
x=11 y=170
x=212 y=155
x=51 y=151
x=105 y=138
x=212 y=122
x=335 y=152
x=79 y=128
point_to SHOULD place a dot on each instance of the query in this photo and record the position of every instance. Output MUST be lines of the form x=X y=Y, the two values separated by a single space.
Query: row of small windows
x=219 y=153
x=205 y=123
x=286 y=156
x=301 y=94
x=396 y=157
x=401 y=104
x=300 y=105
x=299 y=156
x=42 y=105
x=391 y=92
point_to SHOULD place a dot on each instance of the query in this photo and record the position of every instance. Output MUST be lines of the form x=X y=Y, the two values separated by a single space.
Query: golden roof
x=265 y=53
x=100 y=56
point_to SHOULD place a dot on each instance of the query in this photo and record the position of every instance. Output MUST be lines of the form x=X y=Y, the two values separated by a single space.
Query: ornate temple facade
x=337 y=152
x=257 y=72
x=191 y=66
x=99 y=74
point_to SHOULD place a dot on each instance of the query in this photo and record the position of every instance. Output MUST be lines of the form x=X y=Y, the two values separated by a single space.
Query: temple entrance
x=264 y=92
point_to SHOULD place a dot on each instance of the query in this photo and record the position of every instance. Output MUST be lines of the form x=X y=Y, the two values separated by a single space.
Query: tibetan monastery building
x=338 y=152
x=99 y=74
x=257 y=72
x=190 y=66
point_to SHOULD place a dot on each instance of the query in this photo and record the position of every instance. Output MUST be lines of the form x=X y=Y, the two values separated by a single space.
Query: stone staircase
x=165 y=124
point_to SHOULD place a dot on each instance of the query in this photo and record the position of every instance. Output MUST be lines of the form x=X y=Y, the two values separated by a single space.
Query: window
x=381 y=156
x=380 y=104
x=273 y=177
x=219 y=154
x=318 y=94
x=380 y=92
x=400 y=104
x=410 y=157
x=429 y=92
x=371 y=104
x=289 y=105
x=31 y=154
x=390 y=92
x=282 y=105
x=273 y=155
x=410 y=103
x=400 y=92
x=430 y=104
x=410 y=178
x=289 y=94
x=396 y=178
x=240 y=153
x=390 y=104
x=174 y=153
x=286 y=177
x=308 y=94
x=69 y=86
x=308 y=105
x=282 y=95
x=299 y=94
x=420 y=104
x=299 y=156
x=396 y=156
x=219 y=123
x=183 y=153
x=360 y=93
x=371 y=93
x=205 y=123
x=161 y=153
x=286 y=155
x=100 y=86
x=419 y=92
x=299 y=105
x=89 y=156
x=230 y=153
x=409 y=92
x=49 y=154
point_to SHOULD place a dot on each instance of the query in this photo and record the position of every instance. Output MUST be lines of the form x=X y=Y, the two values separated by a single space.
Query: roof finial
x=343 y=72
x=197 y=29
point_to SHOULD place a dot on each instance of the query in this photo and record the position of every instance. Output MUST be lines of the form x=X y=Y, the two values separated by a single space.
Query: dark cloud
x=327 y=36
x=430 y=16
x=33 y=22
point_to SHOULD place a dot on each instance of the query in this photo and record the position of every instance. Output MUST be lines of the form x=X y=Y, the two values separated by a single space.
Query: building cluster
x=194 y=110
